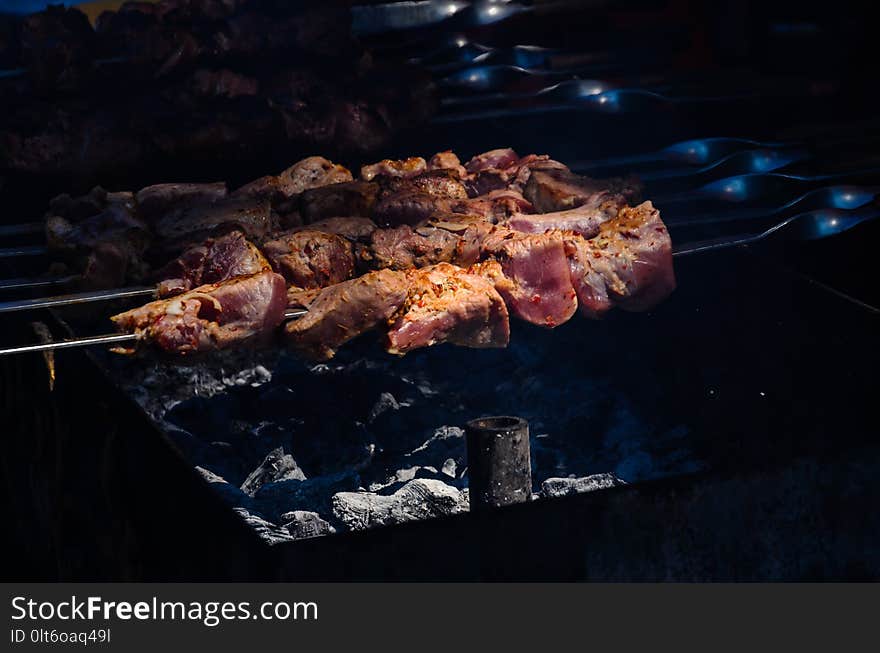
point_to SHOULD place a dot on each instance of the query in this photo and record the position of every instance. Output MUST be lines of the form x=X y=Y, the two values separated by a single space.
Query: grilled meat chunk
x=415 y=199
x=354 y=229
x=403 y=247
x=390 y=168
x=503 y=169
x=214 y=316
x=558 y=190
x=344 y=311
x=629 y=264
x=447 y=160
x=178 y=227
x=75 y=209
x=499 y=159
x=311 y=259
x=215 y=260
x=446 y=303
x=313 y=172
x=108 y=247
x=495 y=205
x=158 y=200
x=583 y=220
x=534 y=277
x=350 y=199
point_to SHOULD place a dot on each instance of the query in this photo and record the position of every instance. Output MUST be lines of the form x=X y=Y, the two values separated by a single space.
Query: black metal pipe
x=499 y=462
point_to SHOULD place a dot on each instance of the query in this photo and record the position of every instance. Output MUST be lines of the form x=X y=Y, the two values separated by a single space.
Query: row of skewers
x=427 y=251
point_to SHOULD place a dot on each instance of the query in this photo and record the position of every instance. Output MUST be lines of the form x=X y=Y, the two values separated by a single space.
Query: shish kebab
x=110 y=236
x=539 y=275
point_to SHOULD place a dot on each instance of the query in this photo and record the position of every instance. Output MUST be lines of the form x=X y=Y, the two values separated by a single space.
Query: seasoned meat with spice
x=629 y=264
x=214 y=316
x=534 y=280
x=342 y=312
x=446 y=303
x=391 y=168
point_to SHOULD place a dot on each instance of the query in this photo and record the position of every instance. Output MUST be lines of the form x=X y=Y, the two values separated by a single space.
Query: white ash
x=560 y=487
x=367 y=421
x=417 y=500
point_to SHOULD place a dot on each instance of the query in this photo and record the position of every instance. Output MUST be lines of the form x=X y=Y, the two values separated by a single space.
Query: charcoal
x=302 y=524
x=560 y=487
x=418 y=499
x=402 y=476
x=272 y=533
x=226 y=490
x=385 y=403
x=277 y=466
x=275 y=499
x=447 y=443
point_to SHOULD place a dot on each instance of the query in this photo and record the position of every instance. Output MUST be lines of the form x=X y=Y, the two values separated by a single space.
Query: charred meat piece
x=391 y=168
x=344 y=311
x=313 y=172
x=446 y=303
x=403 y=247
x=558 y=190
x=311 y=259
x=583 y=220
x=629 y=264
x=214 y=316
x=157 y=200
x=350 y=199
x=215 y=260
x=178 y=227
x=534 y=278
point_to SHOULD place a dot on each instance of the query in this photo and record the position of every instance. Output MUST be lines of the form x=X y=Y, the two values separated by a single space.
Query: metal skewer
x=23 y=229
x=76 y=298
x=807 y=226
x=819 y=223
x=28 y=283
x=107 y=339
x=24 y=250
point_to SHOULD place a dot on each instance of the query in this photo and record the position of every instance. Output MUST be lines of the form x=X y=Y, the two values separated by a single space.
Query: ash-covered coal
x=369 y=439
